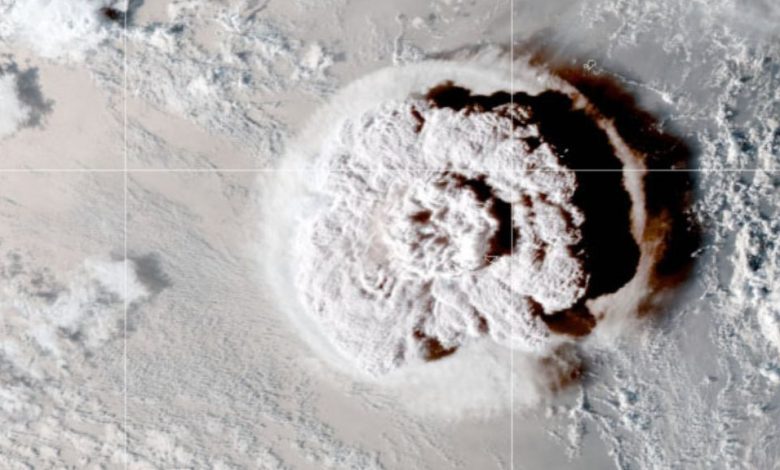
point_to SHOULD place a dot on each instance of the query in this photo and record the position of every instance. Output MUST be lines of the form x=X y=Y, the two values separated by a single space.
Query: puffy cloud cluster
x=21 y=100
x=59 y=28
x=15 y=112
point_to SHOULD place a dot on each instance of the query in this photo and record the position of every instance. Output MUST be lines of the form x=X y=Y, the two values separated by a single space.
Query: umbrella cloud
x=443 y=206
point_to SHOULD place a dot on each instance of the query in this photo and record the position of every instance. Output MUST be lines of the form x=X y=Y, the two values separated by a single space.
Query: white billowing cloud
x=57 y=28
x=397 y=225
x=406 y=256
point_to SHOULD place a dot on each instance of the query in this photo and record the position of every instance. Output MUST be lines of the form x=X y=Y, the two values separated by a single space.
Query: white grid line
x=511 y=248
x=124 y=241
x=384 y=170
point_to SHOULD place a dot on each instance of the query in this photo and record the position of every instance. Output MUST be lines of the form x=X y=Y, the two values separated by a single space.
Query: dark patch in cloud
x=669 y=195
x=149 y=271
x=28 y=90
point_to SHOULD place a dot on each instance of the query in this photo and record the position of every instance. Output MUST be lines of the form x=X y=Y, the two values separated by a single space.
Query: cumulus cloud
x=59 y=29
x=69 y=319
